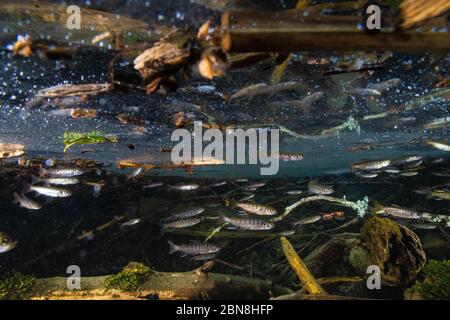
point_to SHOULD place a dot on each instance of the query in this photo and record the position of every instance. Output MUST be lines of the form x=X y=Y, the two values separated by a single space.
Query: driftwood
x=196 y=284
x=290 y=30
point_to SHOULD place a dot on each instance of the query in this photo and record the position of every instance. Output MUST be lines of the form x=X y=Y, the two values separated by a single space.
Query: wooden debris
x=300 y=268
x=68 y=90
x=8 y=150
x=413 y=12
x=83 y=113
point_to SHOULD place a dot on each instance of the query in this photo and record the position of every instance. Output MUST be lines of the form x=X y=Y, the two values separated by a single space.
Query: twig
x=300 y=268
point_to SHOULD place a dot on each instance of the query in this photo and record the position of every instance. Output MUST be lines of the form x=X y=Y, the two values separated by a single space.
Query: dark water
x=97 y=232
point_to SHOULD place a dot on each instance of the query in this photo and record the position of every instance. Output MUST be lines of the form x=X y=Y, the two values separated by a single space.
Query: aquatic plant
x=435 y=285
x=93 y=137
x=130 y=278
x=15 y=285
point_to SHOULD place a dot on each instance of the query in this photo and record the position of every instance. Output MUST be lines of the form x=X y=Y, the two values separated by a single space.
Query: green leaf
x=93 y=137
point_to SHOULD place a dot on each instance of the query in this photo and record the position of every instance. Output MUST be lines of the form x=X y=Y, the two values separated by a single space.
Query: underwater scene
x=224 y=149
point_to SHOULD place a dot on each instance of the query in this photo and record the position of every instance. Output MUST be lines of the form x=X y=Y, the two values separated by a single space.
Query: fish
x=438 y=145
x=194 y=249
x=303 y=104
x=61 y=172
x=391 y=170
x=255 y=185
x=363 y=91
x=402 y=213
x=294 y=156
x=247 y=197
x=184 y=187
x=368 y=175
x=240 y=180
x=219 y=184
x=409 y=173
x=135 y=173
x=423 y=226
x=248 y=223
x=131 y=222
x=263 y=88
x=438 y=123
x=440 y=194
x=294 y=192
x=153 y=185
x=385 y=85
x=47 y=191
x=258 y=209
x=25 y=202
x=180 y=224
x=317 y=188
x=307 y=220
x=188 y=213
x=286 y=233
x=408 y=159
x=371 y=165
x=7 y=243
x=63 y=181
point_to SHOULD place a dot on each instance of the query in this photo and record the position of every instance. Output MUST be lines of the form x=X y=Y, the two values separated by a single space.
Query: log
x=290 y=30
x=133 y=284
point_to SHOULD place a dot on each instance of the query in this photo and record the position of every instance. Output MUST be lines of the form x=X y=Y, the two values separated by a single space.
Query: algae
x=130 y=278
x=15 y=285
x=435 y=284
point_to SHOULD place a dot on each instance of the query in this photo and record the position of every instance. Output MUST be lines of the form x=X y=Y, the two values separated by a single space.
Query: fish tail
x=16 y=198
x=172 y=247
x=26 y=188
x=428 y=193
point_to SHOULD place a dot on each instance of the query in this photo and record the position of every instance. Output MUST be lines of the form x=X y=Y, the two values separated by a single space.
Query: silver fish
x=203 y=257
x=315 y=187
x=131 y=222
x=7 y=243
x=184 y=187
x=294 y=192
x=262 y=88
x=153 y=185
x=48 y=191
x=63 y=181
x=258 y=209
x=183 y=223
x=438 y=145
x=371 y=165
x=61 y=172
x=188 y=213
x=194 y=249
x=248 y=197
x=307 y=220
x=26 y=203
x=402 y=213
x=219 y=184
x=409 y=173
x=249 y=223
x=368 y=175
x=385 y=85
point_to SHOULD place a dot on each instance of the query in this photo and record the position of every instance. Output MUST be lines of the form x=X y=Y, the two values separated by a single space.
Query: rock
x=394 y=248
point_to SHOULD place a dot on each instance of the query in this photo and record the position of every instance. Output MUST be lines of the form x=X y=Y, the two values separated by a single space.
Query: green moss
x=130 y=278
x=435 y=284
x=15 y=285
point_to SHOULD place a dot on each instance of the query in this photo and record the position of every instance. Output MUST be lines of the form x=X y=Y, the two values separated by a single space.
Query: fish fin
x=16 y=198
x=172 y=247
x=26 y=188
